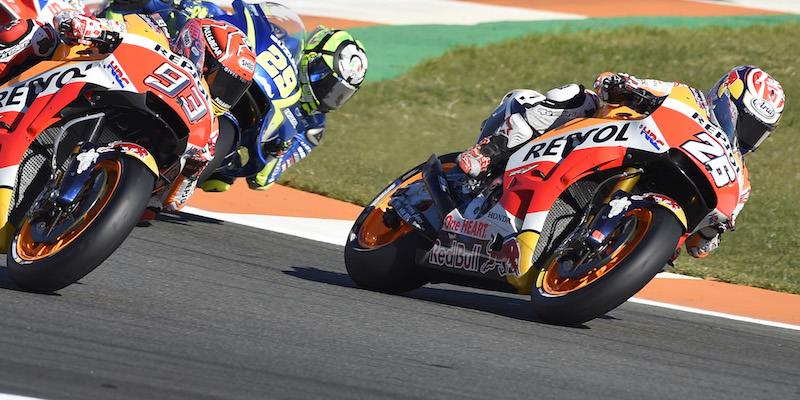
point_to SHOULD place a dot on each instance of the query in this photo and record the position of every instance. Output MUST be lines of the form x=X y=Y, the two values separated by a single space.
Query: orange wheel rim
x=31 y=250
x=555 y=284
x=373 y=232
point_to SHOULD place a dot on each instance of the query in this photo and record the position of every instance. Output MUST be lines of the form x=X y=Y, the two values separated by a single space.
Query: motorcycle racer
x=218 y=50
x=332 y=67
x=746 y=104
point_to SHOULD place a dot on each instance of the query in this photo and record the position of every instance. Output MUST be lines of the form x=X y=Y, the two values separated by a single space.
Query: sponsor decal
x=212 y=41
x=763 y=108
x=618 y=206
x=22 y=96
x=247 y=65
x=86 y=160
x=562 y=145
x=477 y=259
x=117 y=73
x=660 y=199
x=498 y=217
x=466 y=227
x=290 y=117
x=181 y=61
x=651 y=137
x=523 y=170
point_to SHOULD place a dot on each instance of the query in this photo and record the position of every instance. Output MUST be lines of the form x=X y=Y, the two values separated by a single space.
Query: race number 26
x=712 y=154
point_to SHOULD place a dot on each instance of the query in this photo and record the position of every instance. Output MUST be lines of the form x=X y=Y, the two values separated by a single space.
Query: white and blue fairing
x=277 y=36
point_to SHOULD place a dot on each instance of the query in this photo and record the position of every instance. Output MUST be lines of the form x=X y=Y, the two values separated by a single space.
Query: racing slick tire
x=642 y=244
x=54 y=250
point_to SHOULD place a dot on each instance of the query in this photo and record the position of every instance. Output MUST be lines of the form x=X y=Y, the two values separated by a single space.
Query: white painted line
x=415 y=12
x=714 y=314
x=331 y=231
x=787 y=6
x=4 y=396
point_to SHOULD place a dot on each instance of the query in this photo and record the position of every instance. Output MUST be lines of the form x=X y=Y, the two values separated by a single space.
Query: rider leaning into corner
x=525 y=114
x=24 y=43
x=332 y=67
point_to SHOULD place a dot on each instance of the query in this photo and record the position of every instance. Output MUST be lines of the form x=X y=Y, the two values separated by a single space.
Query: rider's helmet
x=747 y=104
x=332 y=69
x=224 y=56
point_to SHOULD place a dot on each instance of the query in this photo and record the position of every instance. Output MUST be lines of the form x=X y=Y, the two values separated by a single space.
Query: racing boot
x=217 y=182
x=495 y=149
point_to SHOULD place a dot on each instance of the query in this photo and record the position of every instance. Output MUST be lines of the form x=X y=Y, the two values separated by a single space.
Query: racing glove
x=75 y=28
x=625 y=90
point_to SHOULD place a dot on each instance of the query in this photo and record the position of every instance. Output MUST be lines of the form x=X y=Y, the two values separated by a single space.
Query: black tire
x=223 y=147
x=641 y=254
x=383 y=259
x=114 y=198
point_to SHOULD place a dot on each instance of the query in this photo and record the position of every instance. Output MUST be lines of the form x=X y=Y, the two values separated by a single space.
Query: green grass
x=437 y=107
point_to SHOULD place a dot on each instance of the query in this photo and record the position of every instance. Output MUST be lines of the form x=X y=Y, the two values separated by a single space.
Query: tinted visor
x=751 y=131
x=331 y=91
x=225 y=87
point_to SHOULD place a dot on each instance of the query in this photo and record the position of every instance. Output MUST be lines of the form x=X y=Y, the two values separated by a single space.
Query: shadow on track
x=180 y=218
x=7 y=283
x=509 y=306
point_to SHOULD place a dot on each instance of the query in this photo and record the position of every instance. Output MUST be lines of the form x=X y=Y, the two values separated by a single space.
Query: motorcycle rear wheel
x=639 y=248
x=383 y=258
x=55 y=250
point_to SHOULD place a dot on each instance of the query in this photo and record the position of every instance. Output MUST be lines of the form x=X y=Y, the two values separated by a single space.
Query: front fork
x=590 y=237
x=64 y=187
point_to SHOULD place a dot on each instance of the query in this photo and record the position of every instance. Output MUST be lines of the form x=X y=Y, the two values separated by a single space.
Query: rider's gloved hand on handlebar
x=102 y=33
x=625 y=90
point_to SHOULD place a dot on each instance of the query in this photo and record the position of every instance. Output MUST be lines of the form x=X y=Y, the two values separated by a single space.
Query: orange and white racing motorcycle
x=86 y=140
x=582 y=218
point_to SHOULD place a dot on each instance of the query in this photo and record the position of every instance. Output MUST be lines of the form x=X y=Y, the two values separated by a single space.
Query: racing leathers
x=300 y=131
x=525 y=114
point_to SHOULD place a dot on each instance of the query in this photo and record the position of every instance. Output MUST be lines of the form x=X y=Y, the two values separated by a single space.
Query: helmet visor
x=225 y=86
x=751 y=131
x=331 y=91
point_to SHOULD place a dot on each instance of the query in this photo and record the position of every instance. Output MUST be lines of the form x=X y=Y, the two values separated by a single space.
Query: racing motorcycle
x=87 y=139
x=581 y=218
x=266 y=127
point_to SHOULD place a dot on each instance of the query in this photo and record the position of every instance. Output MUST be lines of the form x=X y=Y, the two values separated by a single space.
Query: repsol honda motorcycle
x=581 y=218
x=87 y=138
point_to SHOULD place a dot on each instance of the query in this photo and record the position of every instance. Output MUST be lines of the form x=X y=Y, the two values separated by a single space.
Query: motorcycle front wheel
x=572 y=290
x=381 y=250
x=59 y=245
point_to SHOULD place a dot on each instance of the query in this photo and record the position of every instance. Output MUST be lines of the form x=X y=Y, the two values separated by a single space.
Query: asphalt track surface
x=197 y=308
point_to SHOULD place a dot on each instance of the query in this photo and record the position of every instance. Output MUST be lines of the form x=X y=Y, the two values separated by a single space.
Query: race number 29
x=278 y=67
